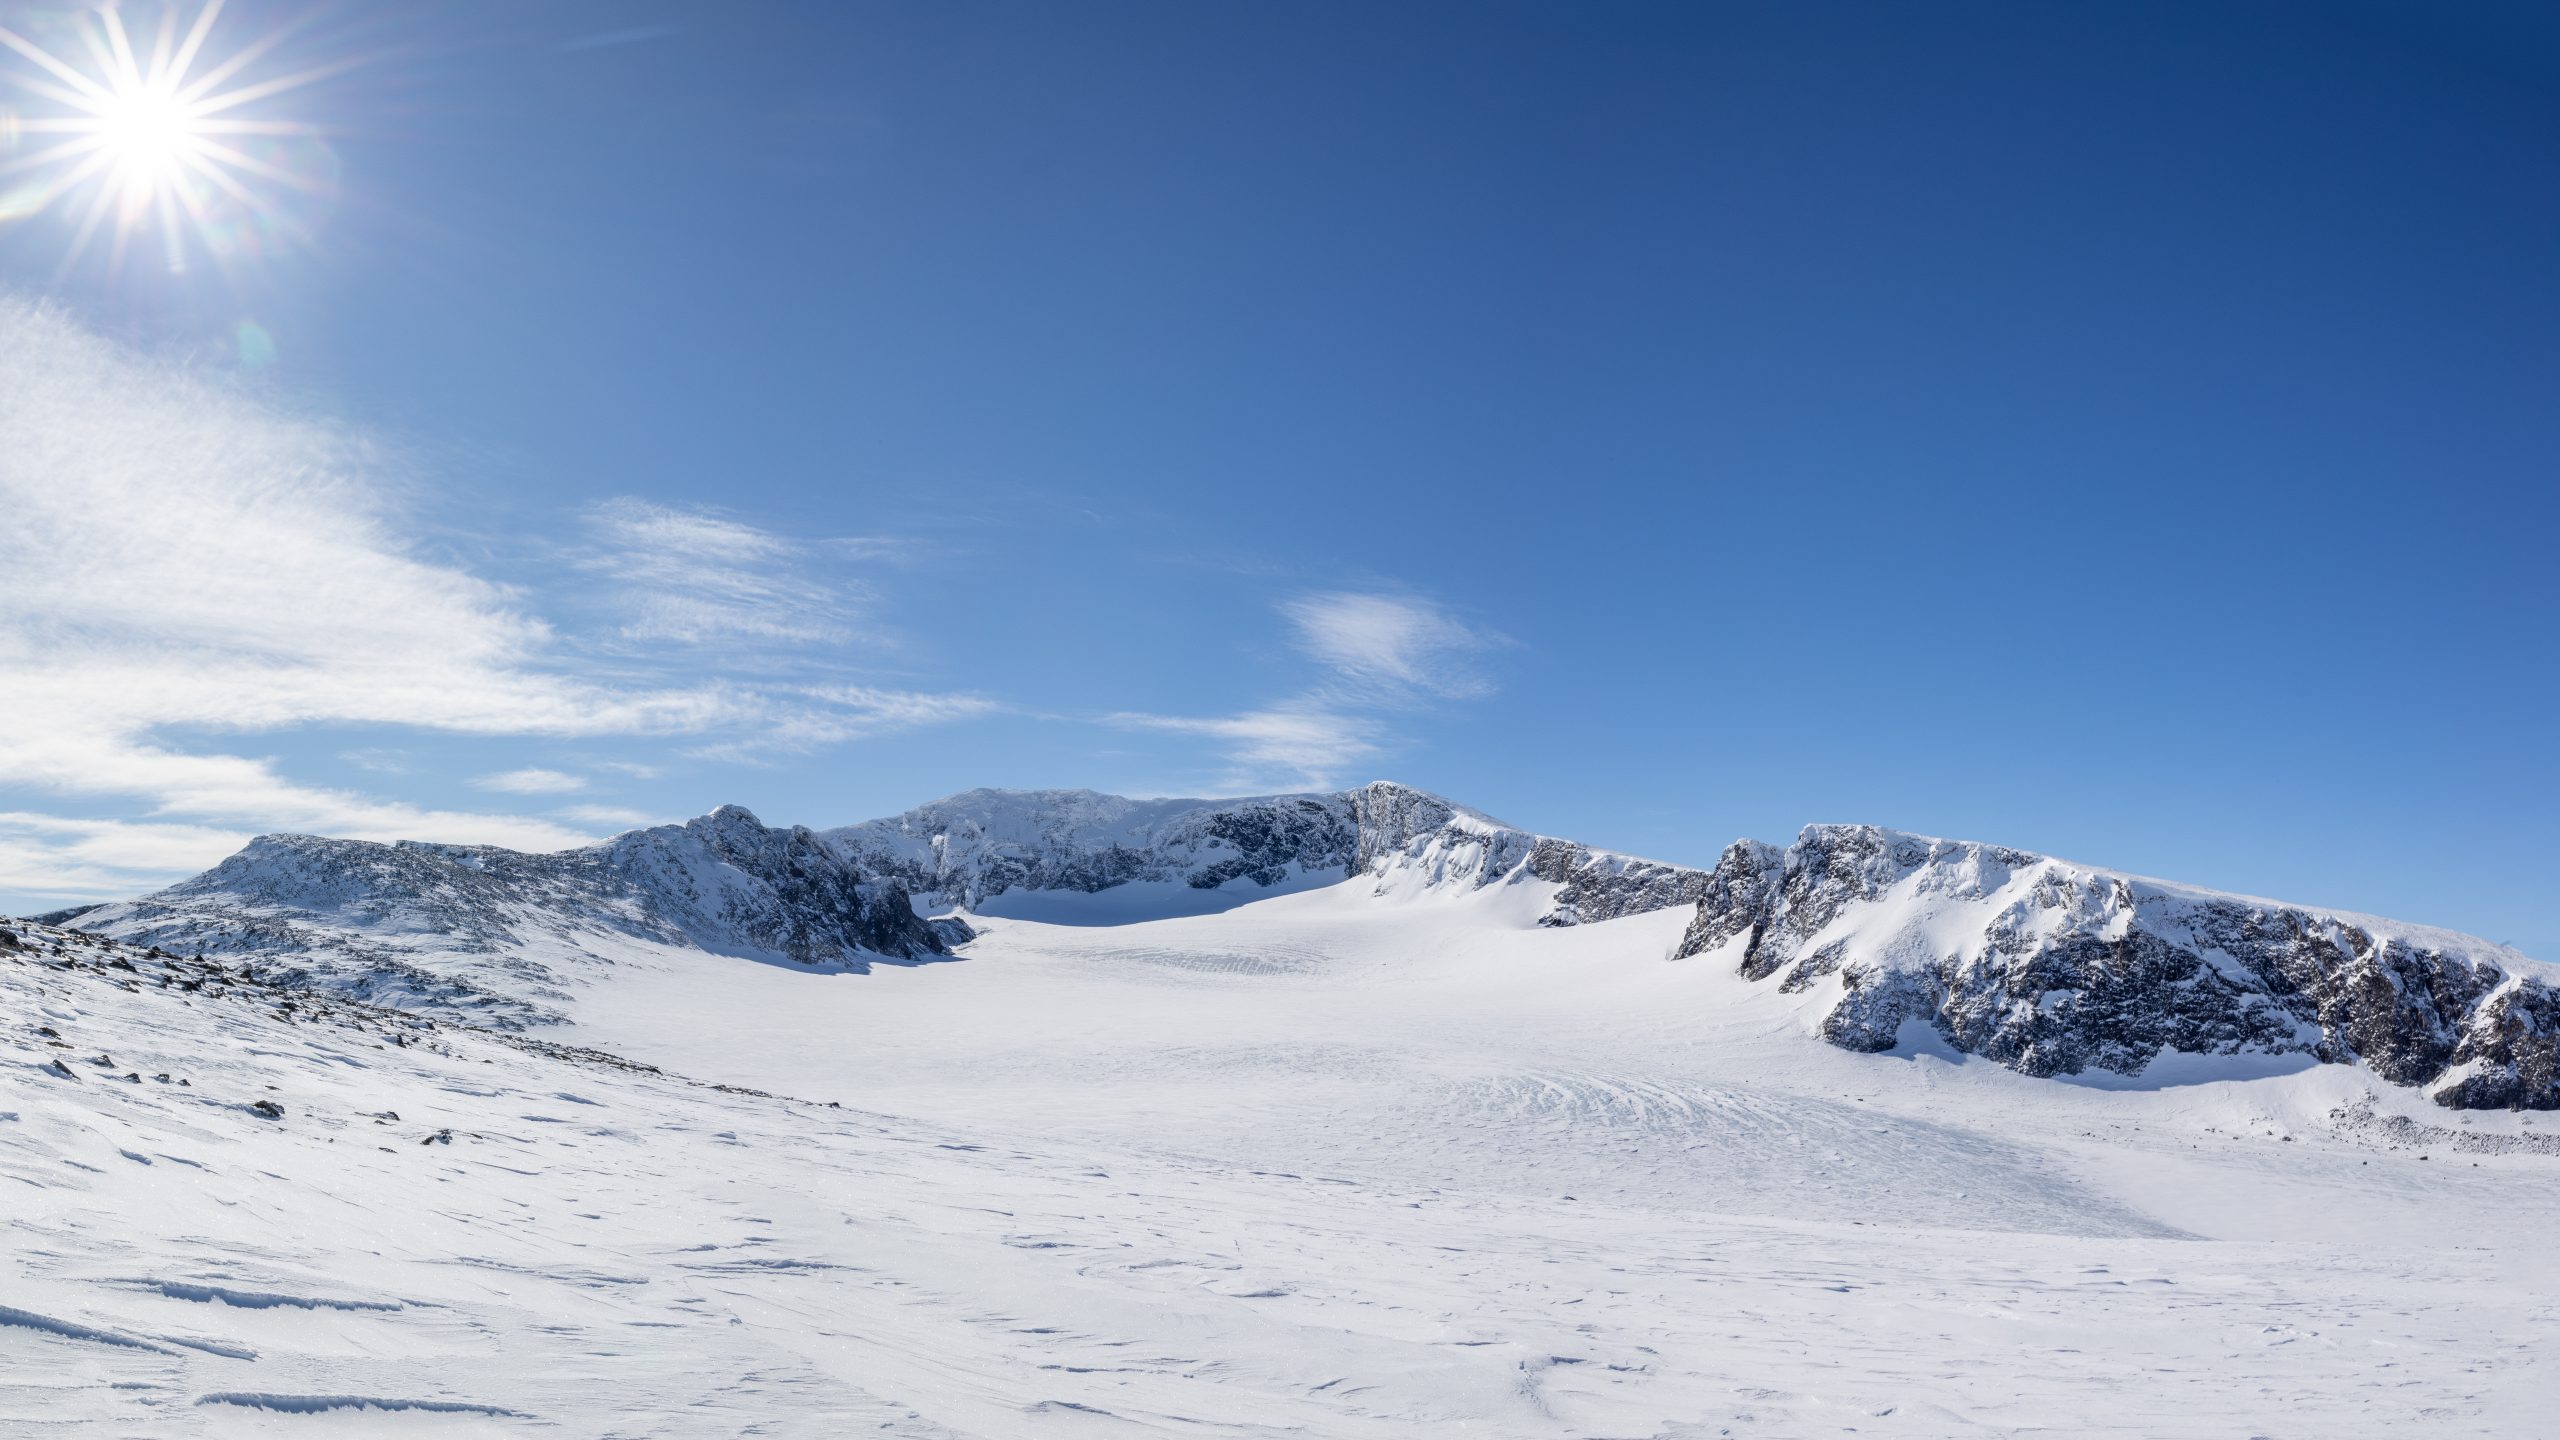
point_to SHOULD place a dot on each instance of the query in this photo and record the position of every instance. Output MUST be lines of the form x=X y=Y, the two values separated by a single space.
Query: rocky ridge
x=488 y=931
x=2043 y=966
x=2051 y=968
x=975 y=847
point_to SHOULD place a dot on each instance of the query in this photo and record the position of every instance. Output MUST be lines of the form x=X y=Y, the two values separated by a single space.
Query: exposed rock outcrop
x=487 y=930
x=974 y=847
x=2044 y=966
x=2055 y=969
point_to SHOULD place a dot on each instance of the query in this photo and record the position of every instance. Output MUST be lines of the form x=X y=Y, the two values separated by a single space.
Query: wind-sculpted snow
x=1319 y=1166
x=2055 y=969
x=460 y=927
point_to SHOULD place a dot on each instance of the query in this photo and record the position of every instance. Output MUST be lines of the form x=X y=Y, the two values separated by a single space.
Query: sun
x=155 y=137
x=149 y=131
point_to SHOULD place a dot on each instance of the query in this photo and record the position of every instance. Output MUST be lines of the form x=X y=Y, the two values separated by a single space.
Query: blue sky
x=2121 y=431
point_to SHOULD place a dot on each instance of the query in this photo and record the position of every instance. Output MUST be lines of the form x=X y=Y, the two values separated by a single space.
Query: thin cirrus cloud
x=379 y=760
x=1394 y=643
x=607 y=817
x=76 y=858
x=1306 y=745
x=531 y=781
x=696 y=577
x=183 y=551
x=1380 y=653
x=838 y=713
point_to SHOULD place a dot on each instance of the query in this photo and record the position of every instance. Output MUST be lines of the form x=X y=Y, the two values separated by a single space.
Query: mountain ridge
x=2046 y=966
x=495 y=932
x=972 y=848
x=2054 y=968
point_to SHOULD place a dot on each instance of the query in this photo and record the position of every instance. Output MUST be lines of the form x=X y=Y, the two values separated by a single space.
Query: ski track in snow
x=1320 y=1166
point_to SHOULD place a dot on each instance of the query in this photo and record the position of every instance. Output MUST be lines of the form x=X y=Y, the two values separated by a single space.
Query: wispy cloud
x=870 y=710
x=94 y=859
x=1391 y=642
x=531 y=781
x=1307 y=746
x=606 y=817
x=697 y=577
x=179 y=550
x=1379 y=653
x=838 y=713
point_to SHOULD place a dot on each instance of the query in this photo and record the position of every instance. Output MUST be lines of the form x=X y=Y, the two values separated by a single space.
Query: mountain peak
x=2038 y=964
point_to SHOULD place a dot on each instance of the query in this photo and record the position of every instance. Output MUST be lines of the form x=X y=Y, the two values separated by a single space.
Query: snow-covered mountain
x=480 y=929
x=1893 y=940
x=974 y=849
x=2053 y=968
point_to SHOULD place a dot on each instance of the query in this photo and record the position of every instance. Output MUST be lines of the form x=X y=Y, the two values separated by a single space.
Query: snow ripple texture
x=1434 y=1170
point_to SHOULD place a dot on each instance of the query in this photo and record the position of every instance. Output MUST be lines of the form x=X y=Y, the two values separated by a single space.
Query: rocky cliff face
x=729 y=882
x=1410 y=838
x=2047 y=967
x=974 y=847
x=494 y=931
x=504 y=934
x=2055 y=969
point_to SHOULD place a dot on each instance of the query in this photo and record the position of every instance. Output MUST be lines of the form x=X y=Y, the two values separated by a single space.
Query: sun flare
x=144 y=132
x=150 y=131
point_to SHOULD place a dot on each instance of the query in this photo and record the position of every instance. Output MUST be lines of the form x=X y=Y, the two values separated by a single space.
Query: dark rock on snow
x=2043 y=966
x=2056 y=969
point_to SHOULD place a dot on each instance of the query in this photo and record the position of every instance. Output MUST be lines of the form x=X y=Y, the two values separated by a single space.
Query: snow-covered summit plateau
x=1888 y=940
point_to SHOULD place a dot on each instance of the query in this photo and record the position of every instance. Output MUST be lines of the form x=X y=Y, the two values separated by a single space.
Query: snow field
x=1322 y=1165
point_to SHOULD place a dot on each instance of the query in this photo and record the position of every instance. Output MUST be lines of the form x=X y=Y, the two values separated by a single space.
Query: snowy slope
x=2055 y=968
x=1890 y=940
x=504 y=936
x=510 y=938
x=1312 y=1166
x=975 y=849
